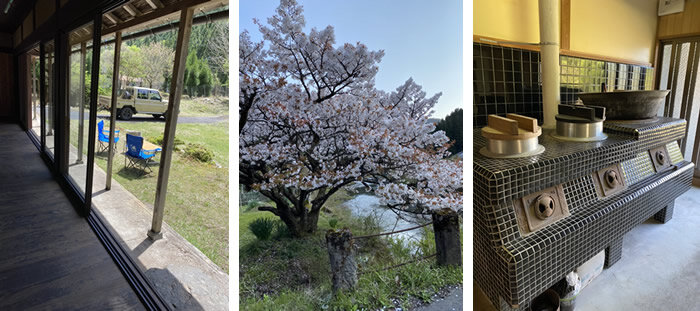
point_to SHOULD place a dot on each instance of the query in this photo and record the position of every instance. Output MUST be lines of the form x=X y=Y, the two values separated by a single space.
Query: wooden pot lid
x=512 y=127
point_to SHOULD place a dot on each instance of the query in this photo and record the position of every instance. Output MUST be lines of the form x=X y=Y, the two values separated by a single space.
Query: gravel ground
x=448 y=299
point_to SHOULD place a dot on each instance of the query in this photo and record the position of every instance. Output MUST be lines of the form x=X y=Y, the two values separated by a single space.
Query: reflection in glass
x=80 y=56
x=48 y=95
x=34 y=100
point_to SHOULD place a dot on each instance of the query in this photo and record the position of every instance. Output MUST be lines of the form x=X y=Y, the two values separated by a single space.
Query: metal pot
x=627 y=105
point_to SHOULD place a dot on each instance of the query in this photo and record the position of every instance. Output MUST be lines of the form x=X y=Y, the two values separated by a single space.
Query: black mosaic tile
x=512 y=268
x=518 y=271
x=509 y=78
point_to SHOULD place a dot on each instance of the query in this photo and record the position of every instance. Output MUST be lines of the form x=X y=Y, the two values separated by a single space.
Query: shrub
x=246 y=196
x=199 y=153
x=333 y=222
x=158 y=140
x=281 y=230
x=262 y=228
x=251 y=205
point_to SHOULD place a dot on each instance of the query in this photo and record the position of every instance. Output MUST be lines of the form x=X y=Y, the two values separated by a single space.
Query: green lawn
x=294 y=274
x=203 y=106
x=197 y=199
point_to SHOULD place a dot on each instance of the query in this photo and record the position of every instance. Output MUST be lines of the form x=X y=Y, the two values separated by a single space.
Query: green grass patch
x=203 y=106
x=294 y=274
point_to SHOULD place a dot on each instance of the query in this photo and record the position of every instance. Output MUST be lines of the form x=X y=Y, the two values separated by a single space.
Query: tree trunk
x=298 y=213
x=303 y=225
x=312 y=221
x=292 y=226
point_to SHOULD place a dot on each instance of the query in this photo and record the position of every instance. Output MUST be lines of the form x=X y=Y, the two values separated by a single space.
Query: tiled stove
x=537 y=218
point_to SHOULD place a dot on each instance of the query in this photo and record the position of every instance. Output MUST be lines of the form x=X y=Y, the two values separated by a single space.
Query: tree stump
x=343 y=266
x=447 y=243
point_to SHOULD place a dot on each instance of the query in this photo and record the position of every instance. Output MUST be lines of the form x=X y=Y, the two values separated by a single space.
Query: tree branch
x=268 y=208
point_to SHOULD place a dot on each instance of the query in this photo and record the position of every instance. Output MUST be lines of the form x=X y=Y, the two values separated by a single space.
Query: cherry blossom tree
x=312 y=122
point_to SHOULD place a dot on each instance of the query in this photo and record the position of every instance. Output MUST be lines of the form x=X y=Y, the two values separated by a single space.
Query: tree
x=131 y=64
x=157 y=60
x=106 y=69
x=311 y=122
x=217 y=57
x=452 y=126
x=191 y=74
x=167 y=78
x=205 y=79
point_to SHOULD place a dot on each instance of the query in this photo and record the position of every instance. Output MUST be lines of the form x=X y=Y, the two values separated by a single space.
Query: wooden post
x=113 y=108
x=81 y=102
x=61 y=103
x=28 y=80
x=565 y=33
x=343 y=266
x=447 y=243
x=183 y=40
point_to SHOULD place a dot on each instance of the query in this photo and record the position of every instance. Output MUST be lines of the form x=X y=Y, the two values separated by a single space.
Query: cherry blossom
x=312 y=121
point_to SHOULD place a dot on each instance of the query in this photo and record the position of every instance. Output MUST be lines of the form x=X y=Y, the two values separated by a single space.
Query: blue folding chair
x=138 y=156
x=103 y=137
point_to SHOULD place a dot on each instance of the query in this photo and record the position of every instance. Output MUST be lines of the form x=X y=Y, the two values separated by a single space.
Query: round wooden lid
x=492 y=133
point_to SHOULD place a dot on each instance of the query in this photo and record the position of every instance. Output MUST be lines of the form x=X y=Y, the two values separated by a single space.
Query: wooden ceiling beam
x=155 y=4
x=170 y=9
x=112 y=18
x=131 y=10
x=80 y=38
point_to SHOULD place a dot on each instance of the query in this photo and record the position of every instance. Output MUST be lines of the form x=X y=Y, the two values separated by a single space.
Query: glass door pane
x=79 y=73
x=49 y=106
x=664 y=73
x=680 y=83
x=33 y=65
x=679 y=73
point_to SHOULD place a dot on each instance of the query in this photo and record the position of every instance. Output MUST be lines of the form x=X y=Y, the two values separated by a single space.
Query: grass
x=197 y=200
x=203 y=106
x=294 y=274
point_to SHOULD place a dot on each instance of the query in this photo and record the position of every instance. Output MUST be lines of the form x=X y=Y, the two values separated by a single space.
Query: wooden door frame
x=690 y=80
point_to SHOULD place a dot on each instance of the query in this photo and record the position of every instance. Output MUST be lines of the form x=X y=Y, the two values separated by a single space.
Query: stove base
x=613 y=252
x=665 y=214
x=514 y=266
x=606 y=224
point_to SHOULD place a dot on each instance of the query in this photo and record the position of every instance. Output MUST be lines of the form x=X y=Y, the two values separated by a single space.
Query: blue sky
x=421 y=39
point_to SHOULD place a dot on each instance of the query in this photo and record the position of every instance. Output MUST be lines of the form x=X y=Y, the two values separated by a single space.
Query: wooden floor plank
x=50 y=259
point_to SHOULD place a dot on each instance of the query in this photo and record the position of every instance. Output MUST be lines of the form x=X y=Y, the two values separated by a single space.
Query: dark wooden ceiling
x=15 y=15
x=131 y=16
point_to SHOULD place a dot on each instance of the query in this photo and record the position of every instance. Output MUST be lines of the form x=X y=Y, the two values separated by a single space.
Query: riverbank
x=294 y=274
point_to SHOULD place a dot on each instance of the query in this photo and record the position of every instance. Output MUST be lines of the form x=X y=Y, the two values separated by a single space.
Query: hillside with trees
x=452 y=126
x=147 y=61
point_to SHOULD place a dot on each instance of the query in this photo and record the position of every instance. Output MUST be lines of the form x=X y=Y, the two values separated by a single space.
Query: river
x=364 y=205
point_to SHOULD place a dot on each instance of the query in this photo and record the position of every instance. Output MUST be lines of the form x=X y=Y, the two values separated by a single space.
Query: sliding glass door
x=79 y=70
x=679 y=73
x=48 y=58
x=32 y=100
